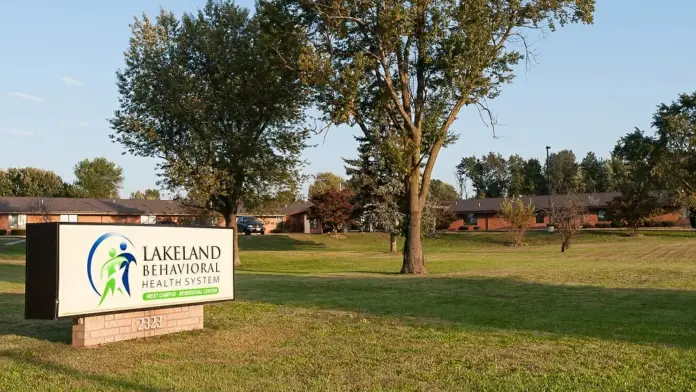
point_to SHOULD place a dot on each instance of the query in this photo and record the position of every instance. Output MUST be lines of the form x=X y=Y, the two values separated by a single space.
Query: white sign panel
x=108 y=268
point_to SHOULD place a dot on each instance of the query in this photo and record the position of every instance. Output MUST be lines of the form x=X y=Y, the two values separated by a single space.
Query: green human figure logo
x=109 y=269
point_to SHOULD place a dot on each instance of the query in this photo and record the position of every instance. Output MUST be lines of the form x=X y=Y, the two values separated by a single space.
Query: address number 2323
x=146 y=323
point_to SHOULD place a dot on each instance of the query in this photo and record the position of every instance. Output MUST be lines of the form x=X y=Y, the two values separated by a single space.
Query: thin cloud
x=83 y=124
x=28 y=97
x=72 y=82
x=19 y=132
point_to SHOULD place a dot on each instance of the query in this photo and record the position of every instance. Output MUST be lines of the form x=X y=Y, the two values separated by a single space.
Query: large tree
x=323 y=182
x=516 y=173
x=638 y=185
x=676 y=146
x=208 y=96
x=30 y=182
x=535 y=183
x=98 y=178
x=420 y=62
x=489 y=175
x=564 y=172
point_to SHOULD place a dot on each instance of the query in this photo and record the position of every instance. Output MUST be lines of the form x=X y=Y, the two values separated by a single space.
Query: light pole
x=548 y=177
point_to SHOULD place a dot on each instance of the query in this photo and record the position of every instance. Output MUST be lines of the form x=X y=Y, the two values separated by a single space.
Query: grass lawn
x=318 y=313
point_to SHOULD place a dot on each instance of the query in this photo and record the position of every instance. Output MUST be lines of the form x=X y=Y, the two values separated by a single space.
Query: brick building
x=17 y=212
x=483 y=213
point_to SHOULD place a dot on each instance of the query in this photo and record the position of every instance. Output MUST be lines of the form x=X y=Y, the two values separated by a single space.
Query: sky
x=588 y=86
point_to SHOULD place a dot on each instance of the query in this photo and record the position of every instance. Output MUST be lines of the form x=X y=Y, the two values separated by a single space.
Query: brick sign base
x=94 y=330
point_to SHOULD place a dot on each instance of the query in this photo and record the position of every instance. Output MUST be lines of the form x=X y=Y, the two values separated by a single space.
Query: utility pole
x=548 y=176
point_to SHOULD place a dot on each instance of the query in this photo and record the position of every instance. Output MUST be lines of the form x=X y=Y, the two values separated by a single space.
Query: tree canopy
x=98 y=178
x=441 y=191
x=31 y=182
x=564 y=172
x=676 y=146
x=209 y=97
x=148 y=194
x=323 y=182
x=417 y=64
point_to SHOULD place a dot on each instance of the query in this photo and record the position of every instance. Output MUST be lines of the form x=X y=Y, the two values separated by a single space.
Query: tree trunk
x=231 y=221
x=392 y=242
x=414 y=262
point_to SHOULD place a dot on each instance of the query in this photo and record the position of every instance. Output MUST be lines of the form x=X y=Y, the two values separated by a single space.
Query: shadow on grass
x=55 y=369
x=12 y=322
x=634 y=315
x=12 y=252
x=276 y=243
x=12 y=272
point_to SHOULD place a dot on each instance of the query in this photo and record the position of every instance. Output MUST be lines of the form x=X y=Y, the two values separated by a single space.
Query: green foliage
x=209 y=97
x=596 y=174
x=417 y=64
x=441 y=191
x=516 y=165
x=5 y=184
x=517 y=215
x=18 y=232
x=638 y=185
x=535 y=183
x=675 y=154
x=30 y=182
x=489 y=176
x=378 y=182
x=98 y=178
x=148 y=194
x=3 y=232
x=565 y=173
x=323 y=182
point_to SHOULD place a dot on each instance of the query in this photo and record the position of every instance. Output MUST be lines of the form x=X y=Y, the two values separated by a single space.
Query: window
x=470 y=219
x=148 y=220
x=601 y=214
x=314 y=224
x=540 y=217
x=68 y=218
x=17 y=221
x=279 y=219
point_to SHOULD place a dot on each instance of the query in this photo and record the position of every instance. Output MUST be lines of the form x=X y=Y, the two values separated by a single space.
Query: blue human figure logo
x=109 y=269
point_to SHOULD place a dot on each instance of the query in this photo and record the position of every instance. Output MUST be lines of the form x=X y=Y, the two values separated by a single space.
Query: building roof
x=56 y=205
x=596 y=200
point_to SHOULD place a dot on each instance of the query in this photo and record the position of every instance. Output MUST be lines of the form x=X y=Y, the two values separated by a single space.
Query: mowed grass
x=320 y=313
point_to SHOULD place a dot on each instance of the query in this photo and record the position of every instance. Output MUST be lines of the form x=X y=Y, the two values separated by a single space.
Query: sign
x=113 y=268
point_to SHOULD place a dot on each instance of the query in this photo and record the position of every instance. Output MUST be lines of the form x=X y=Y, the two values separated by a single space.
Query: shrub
x=649 y=224
x=279 y=230
x=18 y=232
x=602 y=225
x=588 y=225
x=617 y=224
x=669 y=223
x=550 y=225
x=477 y=228
x=3 y=232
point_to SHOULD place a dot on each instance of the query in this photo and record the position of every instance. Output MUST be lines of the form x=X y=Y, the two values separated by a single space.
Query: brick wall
x=42 y=219
x=4 y=222
x=95 y=330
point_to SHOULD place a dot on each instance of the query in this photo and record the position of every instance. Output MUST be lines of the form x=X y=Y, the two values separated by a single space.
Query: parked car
x=249 y=226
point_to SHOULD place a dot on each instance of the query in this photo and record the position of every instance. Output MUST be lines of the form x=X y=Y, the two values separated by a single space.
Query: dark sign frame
x=41 y=300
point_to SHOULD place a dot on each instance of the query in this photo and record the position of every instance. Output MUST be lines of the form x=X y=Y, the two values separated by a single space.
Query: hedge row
x=615 y=224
